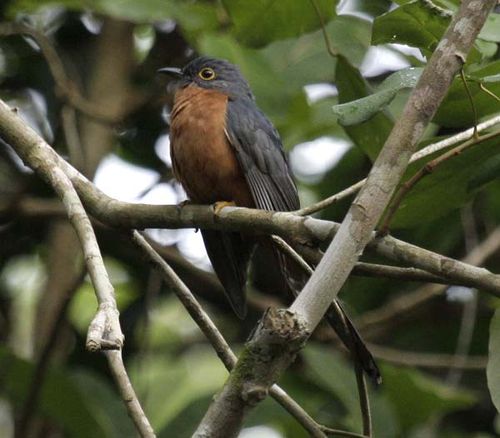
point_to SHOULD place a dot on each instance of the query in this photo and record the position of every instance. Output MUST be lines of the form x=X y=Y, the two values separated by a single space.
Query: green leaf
x=172 y=384
x=421 y=23
x=493 y=367
x=485 y=173
x=417 y=24
x=328 y=370
x=491 y=29
x=456 y=111
x=360 y=110
x=60 y=398
x=371 y=134
x=373 y=8
x=450 y=186
x=270 y=20
x=418 y=398
x=305 y=60
x=104 y=403
x=194 y=17
x=307 y=122
x=278 y=72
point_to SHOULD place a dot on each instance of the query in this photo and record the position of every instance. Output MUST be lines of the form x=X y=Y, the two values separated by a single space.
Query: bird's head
x=212 y=73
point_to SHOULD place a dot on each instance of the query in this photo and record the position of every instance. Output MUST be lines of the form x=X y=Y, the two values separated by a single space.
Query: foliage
x=280 y=48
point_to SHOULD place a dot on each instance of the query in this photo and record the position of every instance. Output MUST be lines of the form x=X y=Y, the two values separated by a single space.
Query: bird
x=225 y=150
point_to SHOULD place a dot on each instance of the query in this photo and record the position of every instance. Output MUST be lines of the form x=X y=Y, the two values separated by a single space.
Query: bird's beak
x=174 y=71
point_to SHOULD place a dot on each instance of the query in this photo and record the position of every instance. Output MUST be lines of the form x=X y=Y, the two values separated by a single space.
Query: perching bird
x=224 y=149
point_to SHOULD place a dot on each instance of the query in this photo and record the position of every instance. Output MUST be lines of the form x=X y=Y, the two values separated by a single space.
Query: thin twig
x=72 y=136
x=428 y=150
x=489 y=92
x=288 y=250
x=212 y=333
x=470 y=306
x=313 y=256
x=427 y=360
x=425 y=170
x=329 y=47
x=335 y=432
x=471 y=100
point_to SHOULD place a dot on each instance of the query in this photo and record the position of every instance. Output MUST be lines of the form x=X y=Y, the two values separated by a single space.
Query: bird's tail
x=295 y=278
x=230 y=255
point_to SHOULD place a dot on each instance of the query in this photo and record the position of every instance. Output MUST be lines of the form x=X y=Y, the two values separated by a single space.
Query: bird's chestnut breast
x=203 y=160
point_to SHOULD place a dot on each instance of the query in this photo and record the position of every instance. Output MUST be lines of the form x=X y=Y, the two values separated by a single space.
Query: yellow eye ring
x=207 y=74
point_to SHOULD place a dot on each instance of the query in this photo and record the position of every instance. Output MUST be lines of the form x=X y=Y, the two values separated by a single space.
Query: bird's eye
x=207 y=74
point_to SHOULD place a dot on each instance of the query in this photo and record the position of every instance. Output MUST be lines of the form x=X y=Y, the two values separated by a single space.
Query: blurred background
x=431 y=341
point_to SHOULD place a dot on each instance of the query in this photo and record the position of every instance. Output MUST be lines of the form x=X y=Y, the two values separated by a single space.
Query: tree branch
x=213 y=335
x=104 y=331
x=43 y=208
x=287 y=225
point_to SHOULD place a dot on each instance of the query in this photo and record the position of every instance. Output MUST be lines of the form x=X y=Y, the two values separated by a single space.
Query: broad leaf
x=194 y=17
x=491 y=29
x=360 y=110
x=328 y=370
x=450 y=186
x=456 y=110
x=417 y=24
x=418 y=398
x=189 y=377
x=60 y=398
x=371 y=134
x=269 y=20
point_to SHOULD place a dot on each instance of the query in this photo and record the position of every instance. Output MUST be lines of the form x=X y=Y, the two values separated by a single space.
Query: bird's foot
x=218 y=206
x=182 y=204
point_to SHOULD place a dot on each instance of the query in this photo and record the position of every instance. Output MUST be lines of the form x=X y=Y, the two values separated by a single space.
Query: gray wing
x=261 y=156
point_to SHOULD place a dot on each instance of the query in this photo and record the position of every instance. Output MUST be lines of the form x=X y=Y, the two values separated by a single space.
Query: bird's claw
x=218 y=206
x=182 y=204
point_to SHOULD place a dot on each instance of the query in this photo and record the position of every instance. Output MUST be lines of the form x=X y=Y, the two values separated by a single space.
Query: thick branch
x=278 y=338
